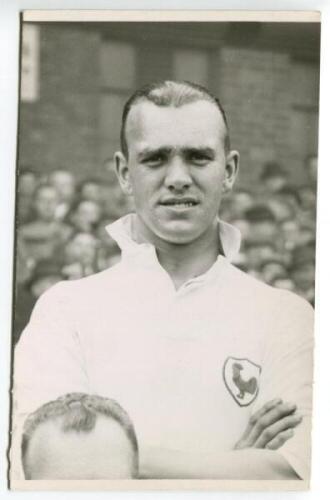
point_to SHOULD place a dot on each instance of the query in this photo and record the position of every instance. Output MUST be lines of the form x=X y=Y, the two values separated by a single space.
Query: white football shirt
x=188 y=365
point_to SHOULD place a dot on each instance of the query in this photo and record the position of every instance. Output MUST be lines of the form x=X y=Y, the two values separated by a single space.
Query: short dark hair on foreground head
x=170 y=93
x=79 y=412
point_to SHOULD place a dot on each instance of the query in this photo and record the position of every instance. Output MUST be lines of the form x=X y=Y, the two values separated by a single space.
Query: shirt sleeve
x=287 y=373
x=48 y=363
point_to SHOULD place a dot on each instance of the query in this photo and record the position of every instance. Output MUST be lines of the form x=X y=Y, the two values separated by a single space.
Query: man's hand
x=271 y=426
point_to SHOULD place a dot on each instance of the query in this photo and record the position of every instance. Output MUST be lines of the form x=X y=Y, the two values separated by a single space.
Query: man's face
x=64 y=183
x=177 y=169
x=88 y=213
x=46 y=202
x=82 y=248
x=91 y=191
x=103 y=453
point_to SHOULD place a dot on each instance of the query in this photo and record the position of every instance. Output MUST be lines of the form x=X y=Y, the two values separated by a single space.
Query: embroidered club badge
x=241 y=377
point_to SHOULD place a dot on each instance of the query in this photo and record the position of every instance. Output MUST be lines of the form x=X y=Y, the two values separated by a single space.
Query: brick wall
x=61 y=127
x=256 y=90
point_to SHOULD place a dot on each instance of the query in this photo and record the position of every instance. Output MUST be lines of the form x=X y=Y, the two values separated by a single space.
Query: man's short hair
x=170 y=93
x=79 y=412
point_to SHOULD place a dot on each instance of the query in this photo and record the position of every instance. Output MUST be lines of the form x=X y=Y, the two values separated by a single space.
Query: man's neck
x=185 y=261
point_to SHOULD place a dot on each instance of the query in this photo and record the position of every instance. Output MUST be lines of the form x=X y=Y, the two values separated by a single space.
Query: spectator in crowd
x=290 y=230
x=289 y=195
x=258 y=252
x=64 y=182
x=86 y=216
x=43 y=236
x=91 y=190
x=306 y=232
x=79 y=436
x=282 y=210
x=273 y=177
x=80 y=256
x=27 y=184
x=263 y=226
x=237 y=205
x=307 y=195
x=273 y=269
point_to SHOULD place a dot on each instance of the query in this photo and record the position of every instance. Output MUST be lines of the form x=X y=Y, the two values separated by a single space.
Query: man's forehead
x=197 y=120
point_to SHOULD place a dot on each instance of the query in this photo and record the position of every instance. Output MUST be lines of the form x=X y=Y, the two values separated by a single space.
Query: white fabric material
x=127 y=334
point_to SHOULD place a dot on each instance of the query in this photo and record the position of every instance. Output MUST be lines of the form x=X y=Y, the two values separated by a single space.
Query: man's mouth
x=179 y=202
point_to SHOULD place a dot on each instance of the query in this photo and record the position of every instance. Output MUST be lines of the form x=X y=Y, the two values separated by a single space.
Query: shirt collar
x=122 y=232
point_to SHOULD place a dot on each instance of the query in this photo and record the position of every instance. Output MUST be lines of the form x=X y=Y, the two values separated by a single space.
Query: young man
x=79 y=436
x=210 y=364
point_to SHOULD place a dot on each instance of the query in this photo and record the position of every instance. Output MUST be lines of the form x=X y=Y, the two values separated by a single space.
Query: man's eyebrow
x=200 y=150
x=145 y=152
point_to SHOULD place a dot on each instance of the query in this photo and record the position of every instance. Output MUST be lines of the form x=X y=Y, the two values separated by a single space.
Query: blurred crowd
x=61 y=230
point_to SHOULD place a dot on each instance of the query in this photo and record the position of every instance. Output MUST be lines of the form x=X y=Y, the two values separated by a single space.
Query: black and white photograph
x=165 y=229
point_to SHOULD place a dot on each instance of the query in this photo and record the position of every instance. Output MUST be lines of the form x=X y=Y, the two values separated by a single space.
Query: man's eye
x=199 y=159
x=154 y=160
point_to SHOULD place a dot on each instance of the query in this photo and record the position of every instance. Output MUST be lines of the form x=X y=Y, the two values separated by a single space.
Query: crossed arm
x=253 y=457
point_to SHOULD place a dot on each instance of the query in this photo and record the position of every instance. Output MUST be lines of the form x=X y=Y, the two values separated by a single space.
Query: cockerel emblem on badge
x=241 y=377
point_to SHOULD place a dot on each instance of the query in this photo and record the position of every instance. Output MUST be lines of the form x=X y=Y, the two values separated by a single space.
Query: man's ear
x=123 y=174
x=232 y=167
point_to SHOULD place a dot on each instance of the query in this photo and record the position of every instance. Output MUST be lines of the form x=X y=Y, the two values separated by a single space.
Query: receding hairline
x=174 y=94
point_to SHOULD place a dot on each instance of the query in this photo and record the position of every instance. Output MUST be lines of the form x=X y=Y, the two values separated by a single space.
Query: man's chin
x=181 y=234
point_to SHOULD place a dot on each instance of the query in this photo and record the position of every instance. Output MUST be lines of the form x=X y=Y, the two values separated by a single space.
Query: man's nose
x=178 y=175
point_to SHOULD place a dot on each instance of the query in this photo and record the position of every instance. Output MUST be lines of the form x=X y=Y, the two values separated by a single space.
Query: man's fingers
x=258 y=414
x=274 y=415
x=263 y=410
x=242 y=443
x=274 y=430
x=280 y=439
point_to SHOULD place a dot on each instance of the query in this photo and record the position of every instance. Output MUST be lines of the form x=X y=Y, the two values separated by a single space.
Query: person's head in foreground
x=176 y=162
x=79 y=436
